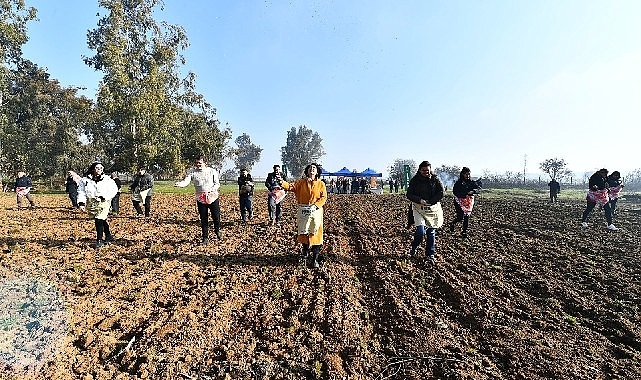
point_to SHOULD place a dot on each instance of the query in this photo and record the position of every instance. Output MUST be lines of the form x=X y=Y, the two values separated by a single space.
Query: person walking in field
x=311 y=196
x=115 y=201
x=426 y=191
x=555 y=189
x=206 y=183
x=275 y=196
x=23 y=187
x=142 y=191
x=614 y=190
x=95 y=192
x=71 y=188
x=598 y=194
x=245 y=195
x=464 y=190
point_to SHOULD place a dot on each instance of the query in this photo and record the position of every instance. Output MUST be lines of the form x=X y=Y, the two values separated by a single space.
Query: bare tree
x=556 y=168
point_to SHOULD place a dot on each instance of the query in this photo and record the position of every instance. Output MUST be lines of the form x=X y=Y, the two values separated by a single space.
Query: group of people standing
x=343 y=185
x=99 y=195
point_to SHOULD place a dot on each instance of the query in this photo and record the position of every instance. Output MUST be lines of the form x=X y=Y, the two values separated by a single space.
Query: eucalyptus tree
x=46 y=119
x=143 y=105
x=14 y=16
x=302 y=147
x=246 y=154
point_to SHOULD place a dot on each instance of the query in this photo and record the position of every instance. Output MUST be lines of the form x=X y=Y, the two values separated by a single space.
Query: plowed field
x=528 y=295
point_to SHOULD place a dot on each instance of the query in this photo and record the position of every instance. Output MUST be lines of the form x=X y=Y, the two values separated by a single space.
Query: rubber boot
x=304 y=254
x=316 y=252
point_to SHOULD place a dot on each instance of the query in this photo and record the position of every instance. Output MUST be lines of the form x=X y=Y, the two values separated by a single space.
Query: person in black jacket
x=115 y=201
x=275 y=196
x=245 y=194
x=555 y=189
x=71 y=188
x=426 y=191
x=614 y=190
x=464 y=190
x=598 y=193
x=142 y=190
x=23 y=187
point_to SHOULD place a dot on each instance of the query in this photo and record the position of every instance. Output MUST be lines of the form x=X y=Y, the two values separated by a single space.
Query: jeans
x=590 y=206
x=613 y=206
x=74 y=199
x=275 y=209
x=430 y=246
x=245 y=207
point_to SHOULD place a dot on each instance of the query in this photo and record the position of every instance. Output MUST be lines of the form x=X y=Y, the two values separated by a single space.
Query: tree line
x=144 y=113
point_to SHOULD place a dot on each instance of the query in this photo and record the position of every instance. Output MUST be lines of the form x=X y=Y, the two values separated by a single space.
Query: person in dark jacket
x=71 y=188
x=245 y=194
x=23 y=187
x=598 y=194
x=464 y=190
x=426 y=191
x=614 y=189
x=355 y=185
x=275 y=196
x=142 y=190
x=555 y=189
x=115 y=201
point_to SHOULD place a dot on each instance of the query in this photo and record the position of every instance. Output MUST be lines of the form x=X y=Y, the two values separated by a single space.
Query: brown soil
x=528 y=295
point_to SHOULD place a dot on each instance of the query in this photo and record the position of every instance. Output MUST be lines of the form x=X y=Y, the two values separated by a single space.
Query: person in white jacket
x=95 y=192
x=206 y=182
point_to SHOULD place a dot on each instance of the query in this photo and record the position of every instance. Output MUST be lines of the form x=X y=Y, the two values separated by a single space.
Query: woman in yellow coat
x=311 y=196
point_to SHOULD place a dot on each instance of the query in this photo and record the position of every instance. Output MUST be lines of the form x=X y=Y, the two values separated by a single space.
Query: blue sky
x=469 y=83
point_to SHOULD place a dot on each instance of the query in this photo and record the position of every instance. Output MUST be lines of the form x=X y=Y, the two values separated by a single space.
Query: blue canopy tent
x=325 y=172
x=370 y=173
x=344 y=172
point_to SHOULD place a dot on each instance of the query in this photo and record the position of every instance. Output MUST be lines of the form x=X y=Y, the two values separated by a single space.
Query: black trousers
x=203 y=211
x=590 y=206
x=460 y=216
x=102 y=228
x=147 y=206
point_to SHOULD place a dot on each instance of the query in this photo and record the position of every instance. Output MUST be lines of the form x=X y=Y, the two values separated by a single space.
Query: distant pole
x=524 y=167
